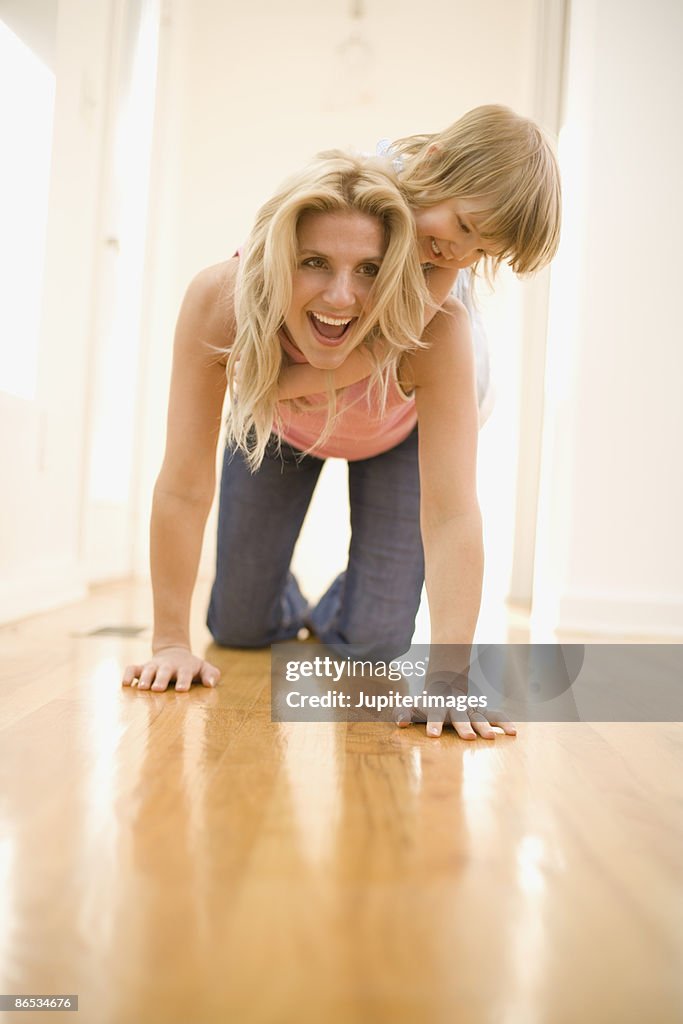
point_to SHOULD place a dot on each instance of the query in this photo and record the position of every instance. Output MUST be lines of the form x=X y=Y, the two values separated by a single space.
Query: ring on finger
x=471 y=712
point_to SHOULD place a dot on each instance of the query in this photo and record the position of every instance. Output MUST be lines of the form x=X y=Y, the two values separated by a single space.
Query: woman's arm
x=450 y=519
x=185 y=486
x=448 y=431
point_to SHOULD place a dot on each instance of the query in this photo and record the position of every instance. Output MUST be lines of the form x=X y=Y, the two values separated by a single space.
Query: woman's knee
x=378 y=650
x=233 y=633
x=256 y=617
x=376 y=639
x=231 y=625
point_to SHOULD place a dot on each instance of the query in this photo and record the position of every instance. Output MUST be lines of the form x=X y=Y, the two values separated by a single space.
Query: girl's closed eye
x=464 y=227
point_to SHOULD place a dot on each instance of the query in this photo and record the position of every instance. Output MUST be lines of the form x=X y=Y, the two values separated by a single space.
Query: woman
x=331 y=279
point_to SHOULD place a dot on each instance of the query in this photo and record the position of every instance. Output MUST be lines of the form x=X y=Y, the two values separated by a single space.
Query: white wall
x=609 y=555
x=41 y=464
x=252 y=91
x=35 y=22
x=119 y=292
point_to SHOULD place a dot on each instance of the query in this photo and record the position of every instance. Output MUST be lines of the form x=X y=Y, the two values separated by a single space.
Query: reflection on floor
x=180 y=858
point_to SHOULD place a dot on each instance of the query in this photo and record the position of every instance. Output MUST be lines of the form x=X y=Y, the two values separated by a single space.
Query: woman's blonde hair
x=491 y=153
x=335 y=182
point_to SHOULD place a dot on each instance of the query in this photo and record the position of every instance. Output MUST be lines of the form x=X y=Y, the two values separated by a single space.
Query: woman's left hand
x=469 y=722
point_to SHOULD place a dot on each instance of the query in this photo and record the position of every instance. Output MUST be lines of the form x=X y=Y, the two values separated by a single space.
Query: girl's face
x=448 y=235
x=338 y=259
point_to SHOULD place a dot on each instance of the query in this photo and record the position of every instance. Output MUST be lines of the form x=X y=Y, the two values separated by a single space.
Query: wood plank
x=180 y=857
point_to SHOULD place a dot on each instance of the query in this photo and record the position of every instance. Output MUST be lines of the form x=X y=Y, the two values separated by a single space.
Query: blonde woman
x=331 y=279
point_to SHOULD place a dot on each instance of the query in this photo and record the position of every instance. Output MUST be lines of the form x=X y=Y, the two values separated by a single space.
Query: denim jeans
x=256 y=601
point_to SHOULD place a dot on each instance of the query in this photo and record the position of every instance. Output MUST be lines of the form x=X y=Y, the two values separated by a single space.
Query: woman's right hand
x=168 y=664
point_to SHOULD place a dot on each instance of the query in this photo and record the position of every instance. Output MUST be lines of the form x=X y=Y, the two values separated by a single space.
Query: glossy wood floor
x=178 y=858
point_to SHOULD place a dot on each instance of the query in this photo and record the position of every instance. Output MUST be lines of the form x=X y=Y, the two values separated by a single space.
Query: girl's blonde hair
x=335 y=182
x=493 y=154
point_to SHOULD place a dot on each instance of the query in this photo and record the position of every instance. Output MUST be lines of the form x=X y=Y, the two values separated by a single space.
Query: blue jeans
x=255 y=599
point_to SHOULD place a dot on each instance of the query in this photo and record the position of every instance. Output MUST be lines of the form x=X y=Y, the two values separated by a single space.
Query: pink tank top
x=358 y=432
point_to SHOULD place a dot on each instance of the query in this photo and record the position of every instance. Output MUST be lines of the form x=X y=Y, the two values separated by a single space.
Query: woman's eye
x=464 y=227
x=314 y=261
x=369 y=270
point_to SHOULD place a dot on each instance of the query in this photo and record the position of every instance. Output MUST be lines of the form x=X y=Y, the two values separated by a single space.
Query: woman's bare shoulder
x=210 y=303
x=214 y=287
x=448 y=349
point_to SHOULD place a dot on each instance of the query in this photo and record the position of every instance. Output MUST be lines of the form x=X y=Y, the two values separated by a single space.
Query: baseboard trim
x=40 y=589
x=622 y=614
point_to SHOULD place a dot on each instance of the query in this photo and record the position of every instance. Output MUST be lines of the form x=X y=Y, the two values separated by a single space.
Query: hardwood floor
x=179 y=858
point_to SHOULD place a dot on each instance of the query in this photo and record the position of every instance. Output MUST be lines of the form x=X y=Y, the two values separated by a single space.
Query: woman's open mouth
x=330 y=330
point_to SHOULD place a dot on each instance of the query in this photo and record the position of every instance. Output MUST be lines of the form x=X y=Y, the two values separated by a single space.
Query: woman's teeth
x=435 y=248
x=331 y=328
x=333 y=321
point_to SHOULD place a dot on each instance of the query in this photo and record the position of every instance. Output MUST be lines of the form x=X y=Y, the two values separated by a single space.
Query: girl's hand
x=168 y=664
x=451 y=264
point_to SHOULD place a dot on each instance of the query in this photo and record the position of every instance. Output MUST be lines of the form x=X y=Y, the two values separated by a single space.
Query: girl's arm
x=302 y=379
x=446 y=401
x=185 y=486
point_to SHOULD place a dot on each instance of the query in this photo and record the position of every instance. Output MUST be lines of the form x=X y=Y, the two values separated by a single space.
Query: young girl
x=484 y=192
x=329 y=267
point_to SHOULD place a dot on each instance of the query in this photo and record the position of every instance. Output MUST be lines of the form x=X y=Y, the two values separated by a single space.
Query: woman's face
x=338 y=259
x=448 y=235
